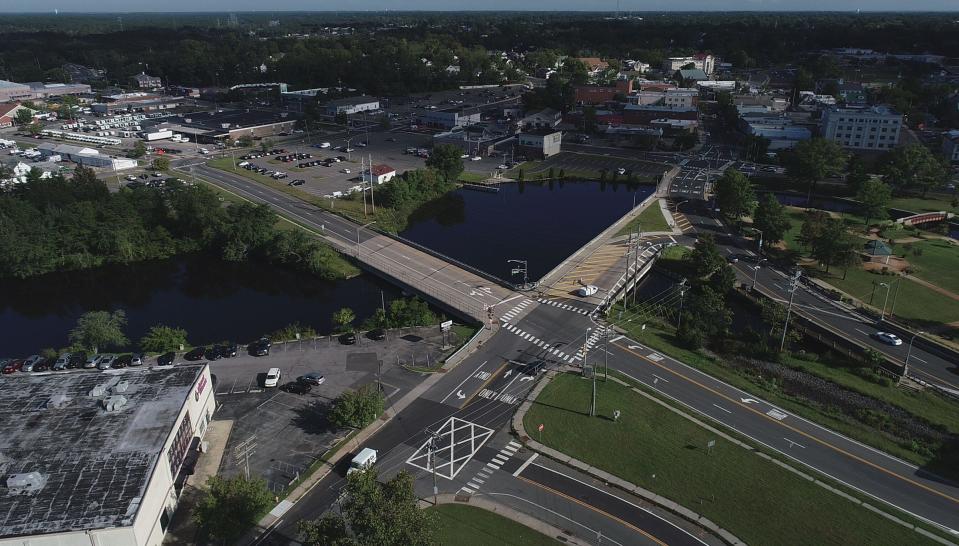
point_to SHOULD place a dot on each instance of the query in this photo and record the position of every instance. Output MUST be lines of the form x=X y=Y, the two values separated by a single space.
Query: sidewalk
x=508 y=513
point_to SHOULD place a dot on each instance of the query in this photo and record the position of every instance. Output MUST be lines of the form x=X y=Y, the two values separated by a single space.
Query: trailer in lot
x=157 y=135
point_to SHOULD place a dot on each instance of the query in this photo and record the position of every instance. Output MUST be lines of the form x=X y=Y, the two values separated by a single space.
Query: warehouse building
x=352 y=105
x=224 y=125
x=87 y=157
x=99 y=459
x=136 y=102
x=10 y=91
x=449 y=118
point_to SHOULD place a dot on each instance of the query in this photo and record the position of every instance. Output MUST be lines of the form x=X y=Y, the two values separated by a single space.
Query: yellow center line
x=594 y=509
x=790 y=427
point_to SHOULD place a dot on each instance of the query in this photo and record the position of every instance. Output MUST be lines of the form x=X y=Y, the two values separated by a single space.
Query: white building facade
x=869 y=128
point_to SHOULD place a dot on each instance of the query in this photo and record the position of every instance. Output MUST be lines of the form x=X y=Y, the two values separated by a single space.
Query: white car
x=345 y=171
x=502 y=167
x=106 y=362
x=272 y=377
x=620 y=171
x=465 y=156
x=475 y=158
x=887 y=338
x=588 y=290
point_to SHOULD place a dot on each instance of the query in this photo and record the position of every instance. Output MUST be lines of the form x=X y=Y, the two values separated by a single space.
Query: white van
x=324 y=145
x=364 y=460
x=272 y=377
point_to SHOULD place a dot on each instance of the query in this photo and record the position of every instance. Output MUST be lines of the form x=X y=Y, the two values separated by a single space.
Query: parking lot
x=280 y=434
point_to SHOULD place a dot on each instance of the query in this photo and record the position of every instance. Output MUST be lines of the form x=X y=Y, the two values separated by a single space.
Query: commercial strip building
x=209 y=127
x=782 y=132
x=87 y=157
x=862 y=128
x=136 y=102
x=10 y=91
x=448 y=118
x=352 y=105
x=676 y=97
x=99 y=459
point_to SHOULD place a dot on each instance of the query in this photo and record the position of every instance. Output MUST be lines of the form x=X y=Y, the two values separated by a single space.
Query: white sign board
x=446 y=325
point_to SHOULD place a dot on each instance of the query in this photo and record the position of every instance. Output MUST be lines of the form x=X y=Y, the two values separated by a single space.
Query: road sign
x=446 y=325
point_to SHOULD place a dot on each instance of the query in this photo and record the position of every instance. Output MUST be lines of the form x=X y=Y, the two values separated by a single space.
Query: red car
x=13 y=366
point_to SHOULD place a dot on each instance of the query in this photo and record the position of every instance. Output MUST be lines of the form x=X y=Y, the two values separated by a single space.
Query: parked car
x=312 y=378
x=378 y=334
x=136 y=359
x=12 y=366
x=272 y=378
x=888 y=338
x=62 y=361
x=166 y=359
x=230 y=350
x=297 y=182
x=348 y=338
x=42 y=365
x=122 y=361
x=260 y=347
x=295 y=387
x=215 y=353
x=77 y=360
x=106 y=362
x=92 y=361
x=195 y=354
x=29 y=363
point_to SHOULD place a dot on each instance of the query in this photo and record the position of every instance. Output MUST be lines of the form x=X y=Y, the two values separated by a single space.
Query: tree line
x=61 y=224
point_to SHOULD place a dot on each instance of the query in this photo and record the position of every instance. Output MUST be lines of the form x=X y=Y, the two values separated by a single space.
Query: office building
x=864 y=128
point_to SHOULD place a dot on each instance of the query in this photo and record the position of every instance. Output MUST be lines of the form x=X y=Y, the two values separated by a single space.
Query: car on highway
x=166 y=359
x=888 y=338
x=312 y=378
x=502 y=167
x=345 y=171
x=195 y=354
x=296 y=387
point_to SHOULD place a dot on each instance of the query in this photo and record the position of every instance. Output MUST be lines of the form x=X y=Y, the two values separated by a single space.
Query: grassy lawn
x=754 y=499
x=470 y=526
x=467 y=176
x=915 y=302
x=651 y=219
x=918 y=204
x=927 y=405
x=937 y=263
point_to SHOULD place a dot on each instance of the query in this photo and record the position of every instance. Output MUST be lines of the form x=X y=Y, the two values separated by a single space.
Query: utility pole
x=882 y=314
x=372 y=203
x=434 y=438
x=364 y=187
x=606 y=356
x=793 y=286
x=895 y=295
x=592 y=404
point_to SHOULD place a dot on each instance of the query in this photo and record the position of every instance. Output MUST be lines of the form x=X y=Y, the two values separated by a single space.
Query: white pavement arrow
x=460 y=395
x=749 y=401
x=635 y=347
x=508 y=373
x=525 y=378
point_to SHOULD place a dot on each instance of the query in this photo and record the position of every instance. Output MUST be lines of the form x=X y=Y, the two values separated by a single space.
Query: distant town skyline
x=128 y=6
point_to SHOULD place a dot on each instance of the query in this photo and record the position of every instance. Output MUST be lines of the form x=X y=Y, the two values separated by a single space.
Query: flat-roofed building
x=14 y=91
x=866 y=128
x=99 y=459
x=352 y=105
x=540 y=143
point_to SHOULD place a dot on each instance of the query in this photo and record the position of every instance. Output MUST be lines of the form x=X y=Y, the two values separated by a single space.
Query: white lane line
x=557 y=514
x=660 y=378
x=617 y=338
x=480 y=473
x=919 y=359
x=468 y=490
x=473 y=485
x=722 y=408
x=792 y=443
x=523 y=466
x=452 y=392
x=861 y=332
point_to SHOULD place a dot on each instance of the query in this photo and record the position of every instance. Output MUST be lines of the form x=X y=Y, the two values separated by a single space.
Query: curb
x=483 y=503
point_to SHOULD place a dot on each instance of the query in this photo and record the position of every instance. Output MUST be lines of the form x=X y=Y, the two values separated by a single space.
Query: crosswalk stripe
x=468 y=490
x=473 y=485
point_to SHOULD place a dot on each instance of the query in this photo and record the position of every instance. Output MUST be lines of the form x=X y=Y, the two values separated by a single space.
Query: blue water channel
x=215 y=300
x=541 y=223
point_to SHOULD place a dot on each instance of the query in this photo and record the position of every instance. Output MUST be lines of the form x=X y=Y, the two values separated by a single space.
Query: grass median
x=651 y=219
x=756 y=500
x=470 y=526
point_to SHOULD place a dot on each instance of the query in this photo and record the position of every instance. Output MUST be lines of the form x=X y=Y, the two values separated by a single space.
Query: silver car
x=92 y=361
x=30 y=362
x=62 y=361
x=106 y=362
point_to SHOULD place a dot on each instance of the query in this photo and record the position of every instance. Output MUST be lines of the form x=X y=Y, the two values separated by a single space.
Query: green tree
x=874 y=196
x=914 y=167
x=139 y=150
x=734 y=195
x=99 y=329
x=160 y=339
x=161 y=163
x=705 y=258
x=266 y=145
x=706 y=317
x=23 y=117
x=231 y=506
x=835 y=246
x=812 y=227
x=770 y=218
x=343 y=319
x=34 y=129
x=858 y=173
x=245 y=141
x=815 y=159
x=446 y=160
x=384 y=514
x=357 y=408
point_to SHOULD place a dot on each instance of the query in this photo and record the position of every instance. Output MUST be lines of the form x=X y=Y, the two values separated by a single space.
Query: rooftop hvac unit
x=114 y=403
x=25 y=484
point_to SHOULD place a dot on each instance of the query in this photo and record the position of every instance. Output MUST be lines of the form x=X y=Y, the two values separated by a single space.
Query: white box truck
x=363 y=460
x=157 y=135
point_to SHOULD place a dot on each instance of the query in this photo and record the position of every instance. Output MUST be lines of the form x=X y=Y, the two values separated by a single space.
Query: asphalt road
x=816 y=306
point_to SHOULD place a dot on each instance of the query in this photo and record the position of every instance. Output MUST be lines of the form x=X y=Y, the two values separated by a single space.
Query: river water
x=215 y=300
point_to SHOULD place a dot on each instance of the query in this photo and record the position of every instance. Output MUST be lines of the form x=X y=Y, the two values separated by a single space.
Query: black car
x=42 y=365
x=348 y=338
x=122 y=361
x=77 y=360
x=378 y=334
x=166 y=359
x=260 y=347
x=230 y=350
x=295 y=387
x=215 y=353
x=195 y=354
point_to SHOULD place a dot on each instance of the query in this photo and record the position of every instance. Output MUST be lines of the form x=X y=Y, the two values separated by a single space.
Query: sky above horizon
x=115 y=6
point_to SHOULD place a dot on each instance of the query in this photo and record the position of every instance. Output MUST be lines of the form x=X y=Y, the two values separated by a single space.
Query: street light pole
x=895 y=296
x=882 y=314
x=905 y=366
x=592 y=404
x=760 y=240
